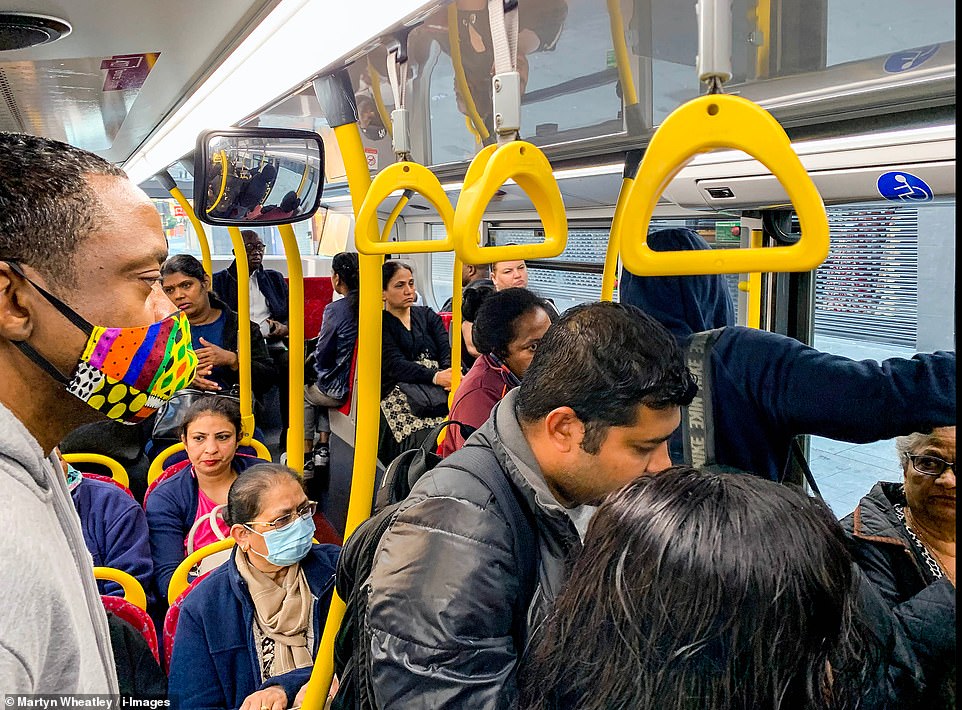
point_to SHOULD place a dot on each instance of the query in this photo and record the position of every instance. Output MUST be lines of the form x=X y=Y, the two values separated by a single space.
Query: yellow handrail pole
x=621 y=52
x=395 y=213
x=610 y=273
x=198 y=228
x=368 y=404
x=457 y=301
x=459 y=79
x=220 y=157
x=378 y=98
x=295 y=374
x=755 y=287
x=243 y=335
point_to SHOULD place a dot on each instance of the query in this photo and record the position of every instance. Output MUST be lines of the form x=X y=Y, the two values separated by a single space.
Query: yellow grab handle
x=529 y=168
x=133 y=590
x=178 y=582
x=703 y=124
x=117 y=471
x=402 y=176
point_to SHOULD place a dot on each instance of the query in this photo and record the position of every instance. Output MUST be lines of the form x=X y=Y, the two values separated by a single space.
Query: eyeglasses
x=930 y=465
x=305 y=511
x=255 y=248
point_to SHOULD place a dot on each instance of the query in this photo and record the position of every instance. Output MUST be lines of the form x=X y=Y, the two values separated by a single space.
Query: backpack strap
x=797 y=461
x=697 y=425
x=479 y=460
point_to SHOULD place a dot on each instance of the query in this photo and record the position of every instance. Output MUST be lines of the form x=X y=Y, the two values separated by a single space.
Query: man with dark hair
x=475 y=281
x=595 y=409
x=85 y=333
x=268 y=308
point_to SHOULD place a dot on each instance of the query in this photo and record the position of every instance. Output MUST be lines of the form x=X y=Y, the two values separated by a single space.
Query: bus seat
x=117 y=472
x=345 y=408
x=108 y=479
x=446 y=318
x=167 y=473
x=179 y=580
x=318 y=292
x=133 y=590
x=136 y=617
x=170 y=622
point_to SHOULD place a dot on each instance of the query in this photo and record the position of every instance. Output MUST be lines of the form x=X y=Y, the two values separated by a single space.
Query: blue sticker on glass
x=903 y=187
x=909 y=59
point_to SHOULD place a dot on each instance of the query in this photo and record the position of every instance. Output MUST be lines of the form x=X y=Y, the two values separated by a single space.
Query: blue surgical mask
x=290 y=544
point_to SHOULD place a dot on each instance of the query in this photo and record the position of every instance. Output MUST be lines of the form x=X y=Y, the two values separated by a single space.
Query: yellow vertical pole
x=243 y=335
x=457 y=318
x=295 y=426
x=614 y=248
x=755 y=287
x=198 y=227
x=368 y=396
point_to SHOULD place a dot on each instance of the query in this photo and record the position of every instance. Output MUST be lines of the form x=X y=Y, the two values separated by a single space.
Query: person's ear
x=241 y=536
x=563 y=429
x=15 y=305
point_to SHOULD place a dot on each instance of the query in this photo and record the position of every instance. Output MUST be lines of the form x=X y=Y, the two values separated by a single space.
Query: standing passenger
x=595 y=408
x=508 y=329
x=767 y=388
x=474 y=279
x=80 y=254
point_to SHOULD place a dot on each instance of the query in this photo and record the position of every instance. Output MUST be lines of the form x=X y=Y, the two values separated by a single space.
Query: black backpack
x=352 y=661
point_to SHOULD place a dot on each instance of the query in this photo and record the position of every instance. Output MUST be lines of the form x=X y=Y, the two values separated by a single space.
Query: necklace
x=935 y=569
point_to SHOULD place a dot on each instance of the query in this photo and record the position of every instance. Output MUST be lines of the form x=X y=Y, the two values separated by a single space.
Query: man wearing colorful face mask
x=85 y=333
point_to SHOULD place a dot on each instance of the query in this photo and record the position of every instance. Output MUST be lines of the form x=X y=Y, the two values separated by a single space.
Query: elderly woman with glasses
x=248 y=634
x=902 y=535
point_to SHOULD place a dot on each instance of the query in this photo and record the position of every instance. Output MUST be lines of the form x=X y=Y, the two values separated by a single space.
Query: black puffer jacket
x=442 y=587
x=882 y=549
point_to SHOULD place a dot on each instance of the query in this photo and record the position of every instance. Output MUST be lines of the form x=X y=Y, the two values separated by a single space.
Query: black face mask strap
x=65 y=310
x=40 y=361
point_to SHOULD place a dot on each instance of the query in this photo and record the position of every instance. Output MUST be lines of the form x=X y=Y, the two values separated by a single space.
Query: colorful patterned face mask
x=126 y=374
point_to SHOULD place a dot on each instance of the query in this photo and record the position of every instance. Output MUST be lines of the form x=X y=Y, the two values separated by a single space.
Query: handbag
x=426 y=400
x=170 y=416
x=211 y=520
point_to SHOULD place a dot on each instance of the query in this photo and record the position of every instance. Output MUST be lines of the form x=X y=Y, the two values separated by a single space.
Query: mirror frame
x=202 y=162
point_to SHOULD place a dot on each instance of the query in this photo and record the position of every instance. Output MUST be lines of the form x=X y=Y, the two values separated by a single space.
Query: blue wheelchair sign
x=900 y=186
x=909 y=59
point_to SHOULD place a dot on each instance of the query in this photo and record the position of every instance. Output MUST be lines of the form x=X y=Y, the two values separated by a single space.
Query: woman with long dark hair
x=332 y=361
x=704 y=590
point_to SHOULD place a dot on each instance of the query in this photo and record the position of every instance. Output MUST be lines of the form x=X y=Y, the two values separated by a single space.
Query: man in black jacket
x=595 y=409
x=269 y=309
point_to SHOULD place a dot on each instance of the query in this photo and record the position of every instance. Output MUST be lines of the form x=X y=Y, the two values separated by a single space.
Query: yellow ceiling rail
x=295 y=374
x=368 y=396
x=379 y=98
x=460 y=81
x=243 y=335
x=402 y=176
x=703 y=124
x=133 y=590
x=117 y=471
x=491 y=168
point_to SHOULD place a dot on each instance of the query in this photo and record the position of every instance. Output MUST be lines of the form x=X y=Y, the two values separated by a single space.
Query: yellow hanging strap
x=295 y=374
x=243 y=336
x=704 y=124
x=368 y=398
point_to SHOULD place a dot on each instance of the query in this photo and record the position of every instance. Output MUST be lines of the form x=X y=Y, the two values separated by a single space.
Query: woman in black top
x=416 y=351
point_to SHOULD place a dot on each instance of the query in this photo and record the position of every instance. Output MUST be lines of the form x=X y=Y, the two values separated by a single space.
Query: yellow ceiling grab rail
x=704 y=124
x=117 y=471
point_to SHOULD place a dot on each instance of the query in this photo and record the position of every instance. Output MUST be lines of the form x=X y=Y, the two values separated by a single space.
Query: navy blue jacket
x=171 y=510
x=768 y=388
x=335 y=347
x=270 y=282
x=115 y=530
x=214 y=662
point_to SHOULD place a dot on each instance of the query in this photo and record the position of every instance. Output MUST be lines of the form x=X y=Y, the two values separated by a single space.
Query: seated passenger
x=705 y=590
x=114 y=528
x=213 y=329
x=332 y=363
x=507 y=330
x=902 y=535
x=210 y=434
x=416 y=351
x=767 y=388
x=248 y=633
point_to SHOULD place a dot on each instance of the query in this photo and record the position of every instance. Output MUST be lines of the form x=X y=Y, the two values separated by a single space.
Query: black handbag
x=426 y=400
x=170 y=417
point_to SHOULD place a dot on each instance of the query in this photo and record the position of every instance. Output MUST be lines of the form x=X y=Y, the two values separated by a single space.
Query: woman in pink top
x=210 y=433
x=506 y=332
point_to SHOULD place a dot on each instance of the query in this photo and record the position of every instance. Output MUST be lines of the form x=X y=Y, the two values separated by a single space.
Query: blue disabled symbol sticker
x=900 y=186
x=909 y=59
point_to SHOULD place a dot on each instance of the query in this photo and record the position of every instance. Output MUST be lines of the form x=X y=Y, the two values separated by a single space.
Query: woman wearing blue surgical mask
x=248 y=634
